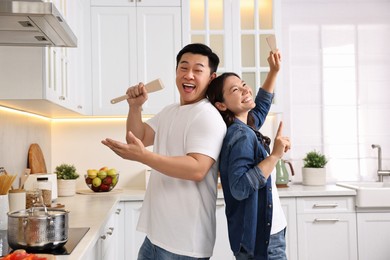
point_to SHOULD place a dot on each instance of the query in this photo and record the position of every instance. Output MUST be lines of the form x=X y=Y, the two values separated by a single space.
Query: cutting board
x=36 y=161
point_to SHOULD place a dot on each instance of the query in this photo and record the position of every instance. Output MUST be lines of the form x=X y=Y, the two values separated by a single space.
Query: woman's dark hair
x=215 y=94
x=199 y=48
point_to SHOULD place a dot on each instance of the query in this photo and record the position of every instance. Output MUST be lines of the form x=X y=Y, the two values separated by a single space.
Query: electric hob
x=74 y=237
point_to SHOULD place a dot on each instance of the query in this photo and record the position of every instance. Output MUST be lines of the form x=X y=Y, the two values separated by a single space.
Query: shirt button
x=268 y=224
x=270 y=189
x=270 y=205
x=266 y=242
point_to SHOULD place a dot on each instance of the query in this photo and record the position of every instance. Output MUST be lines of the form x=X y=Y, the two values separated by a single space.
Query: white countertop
x=93 y=210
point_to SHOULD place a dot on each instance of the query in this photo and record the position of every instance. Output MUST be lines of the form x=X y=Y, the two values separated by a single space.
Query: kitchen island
x=94 y=210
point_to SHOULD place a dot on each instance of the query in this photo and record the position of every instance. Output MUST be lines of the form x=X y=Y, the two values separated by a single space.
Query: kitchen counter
x=93 y=210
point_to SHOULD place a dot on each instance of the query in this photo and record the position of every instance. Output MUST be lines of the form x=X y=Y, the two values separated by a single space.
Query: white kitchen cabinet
x=373 y=235
x=326 y=228
x=133 y=42
x=290 y=211
x=45 y=80
x=133 y=238
x=222 y=246
x=236 y=31
x=112 y=236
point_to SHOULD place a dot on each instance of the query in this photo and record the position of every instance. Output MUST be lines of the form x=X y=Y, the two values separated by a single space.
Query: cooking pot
x=37 y=228
x=282 y=177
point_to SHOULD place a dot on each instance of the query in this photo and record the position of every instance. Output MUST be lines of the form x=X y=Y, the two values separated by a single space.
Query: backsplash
x=17 y=132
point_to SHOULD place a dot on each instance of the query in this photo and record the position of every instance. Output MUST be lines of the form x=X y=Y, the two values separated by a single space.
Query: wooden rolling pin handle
x=119 y=99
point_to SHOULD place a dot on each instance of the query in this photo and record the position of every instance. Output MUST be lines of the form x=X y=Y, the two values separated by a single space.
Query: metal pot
x=38 y=228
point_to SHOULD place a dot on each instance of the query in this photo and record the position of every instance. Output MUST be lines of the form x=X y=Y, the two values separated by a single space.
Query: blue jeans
x=276 y=248
x=148 y=251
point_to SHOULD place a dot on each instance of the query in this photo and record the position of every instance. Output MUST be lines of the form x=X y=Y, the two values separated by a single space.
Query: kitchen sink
x=370 y=194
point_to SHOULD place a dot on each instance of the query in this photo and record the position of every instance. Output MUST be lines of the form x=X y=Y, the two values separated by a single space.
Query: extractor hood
x=33 y=23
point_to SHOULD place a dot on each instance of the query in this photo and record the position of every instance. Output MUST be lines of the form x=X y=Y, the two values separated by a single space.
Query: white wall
x=79 y=142
x=17 y=132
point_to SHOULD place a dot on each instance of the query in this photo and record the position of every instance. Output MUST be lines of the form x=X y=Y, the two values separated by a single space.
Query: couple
x=178 y=212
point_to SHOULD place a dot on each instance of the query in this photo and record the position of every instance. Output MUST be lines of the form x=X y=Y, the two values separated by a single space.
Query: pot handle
x=290 y=165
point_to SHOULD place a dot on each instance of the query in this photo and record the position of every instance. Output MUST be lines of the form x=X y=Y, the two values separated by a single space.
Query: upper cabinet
x=237 y=32
x=47 y=80
x=132 y=42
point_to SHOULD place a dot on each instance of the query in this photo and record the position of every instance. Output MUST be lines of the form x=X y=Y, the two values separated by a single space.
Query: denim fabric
x=277 y=246
x=248 y=195
x=148 y=251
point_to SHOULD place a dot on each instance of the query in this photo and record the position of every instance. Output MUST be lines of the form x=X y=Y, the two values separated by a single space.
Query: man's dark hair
x=199 y=48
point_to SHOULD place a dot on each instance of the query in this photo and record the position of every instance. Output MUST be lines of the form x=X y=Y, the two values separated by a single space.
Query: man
x=178 y=212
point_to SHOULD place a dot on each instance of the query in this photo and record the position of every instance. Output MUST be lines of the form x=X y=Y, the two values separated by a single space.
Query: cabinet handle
x=118 y=211
x=326 y=220
x=61 y=98
x=111 y=230
x=103 y=237
x=330 y=205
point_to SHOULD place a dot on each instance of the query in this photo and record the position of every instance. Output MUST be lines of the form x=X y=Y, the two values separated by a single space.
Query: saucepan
x=38 y=228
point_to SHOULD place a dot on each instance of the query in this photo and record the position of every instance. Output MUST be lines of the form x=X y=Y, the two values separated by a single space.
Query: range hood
x=33 y=23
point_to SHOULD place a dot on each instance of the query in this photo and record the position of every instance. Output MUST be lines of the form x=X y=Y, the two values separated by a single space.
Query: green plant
x=314 y=159
x=66 y=172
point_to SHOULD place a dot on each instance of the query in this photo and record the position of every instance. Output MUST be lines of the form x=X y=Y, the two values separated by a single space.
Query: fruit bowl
x=101 y=181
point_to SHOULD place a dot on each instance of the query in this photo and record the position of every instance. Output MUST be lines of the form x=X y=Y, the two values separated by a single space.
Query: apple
x=92 y=173
x=105 y=168
x=96 y=182
x=111 y=172
x=88 y=180
x=102 y=174
x=114 y=179
x=107 y=180
x=104 y=187
x=95 y=189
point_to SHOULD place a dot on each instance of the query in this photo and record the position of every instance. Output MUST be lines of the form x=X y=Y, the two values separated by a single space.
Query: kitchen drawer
x=325 y=204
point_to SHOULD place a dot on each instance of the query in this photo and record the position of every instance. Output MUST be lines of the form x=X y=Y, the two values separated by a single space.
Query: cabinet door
x=290 y=211
x=374 y=235
x=119 y=235
x=327 y=236
x=159 y=41
x=129 y=45
x=114 y=57
x=133 y=238
x=222 y=246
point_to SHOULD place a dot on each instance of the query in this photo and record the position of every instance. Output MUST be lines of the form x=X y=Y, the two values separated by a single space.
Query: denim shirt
x=247 y=193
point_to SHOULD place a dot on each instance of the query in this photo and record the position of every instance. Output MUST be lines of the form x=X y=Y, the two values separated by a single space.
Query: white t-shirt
x=278 y=219
x=179 y=215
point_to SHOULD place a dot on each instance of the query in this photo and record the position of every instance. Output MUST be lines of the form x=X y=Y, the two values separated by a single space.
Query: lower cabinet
x=133 y=238
x=222 y=246
x=325 y=228
x=290 y=211
x=373 y=235
x=111 y=238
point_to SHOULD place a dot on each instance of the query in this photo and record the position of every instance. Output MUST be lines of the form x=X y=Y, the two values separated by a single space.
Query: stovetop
x=74 y=237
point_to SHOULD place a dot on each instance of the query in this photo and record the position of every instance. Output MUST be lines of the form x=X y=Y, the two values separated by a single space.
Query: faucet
x=381 y=172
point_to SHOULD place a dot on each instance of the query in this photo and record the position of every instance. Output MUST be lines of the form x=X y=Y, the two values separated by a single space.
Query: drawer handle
x=326 y=220
x=330 y=205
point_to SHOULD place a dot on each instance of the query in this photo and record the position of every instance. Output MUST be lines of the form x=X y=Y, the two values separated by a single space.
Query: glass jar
x=33 y=198
x=44 y=185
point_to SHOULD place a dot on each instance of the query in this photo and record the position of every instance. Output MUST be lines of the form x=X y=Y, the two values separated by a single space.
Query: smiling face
x=193 y=77
x=237 y=98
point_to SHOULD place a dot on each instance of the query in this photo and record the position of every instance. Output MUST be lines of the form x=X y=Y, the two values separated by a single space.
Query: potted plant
x=66 y=179
x=314 y=171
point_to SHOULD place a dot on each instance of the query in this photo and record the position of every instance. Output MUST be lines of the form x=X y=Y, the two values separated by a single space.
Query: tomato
x=21 y=254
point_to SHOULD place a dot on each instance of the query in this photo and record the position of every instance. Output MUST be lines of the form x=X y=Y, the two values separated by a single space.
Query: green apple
x=102 y=174
x=92 y=173
x=96 y=182
x=114 y=180
x=111 y=172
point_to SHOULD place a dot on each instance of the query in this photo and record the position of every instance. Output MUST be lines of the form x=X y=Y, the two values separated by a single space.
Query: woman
x=256 y=221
